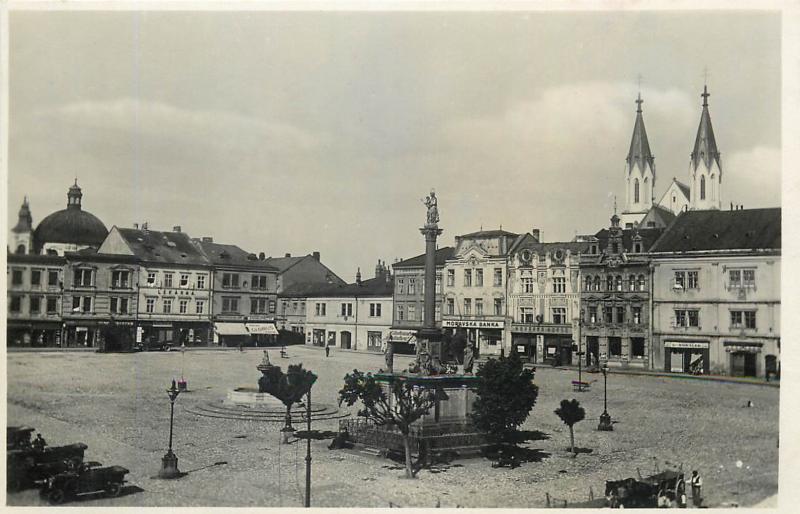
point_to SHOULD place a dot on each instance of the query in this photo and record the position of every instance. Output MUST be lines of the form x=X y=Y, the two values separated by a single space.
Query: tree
x=570 y=413
x=505 y=396
x=407 y=405
x=287 y=387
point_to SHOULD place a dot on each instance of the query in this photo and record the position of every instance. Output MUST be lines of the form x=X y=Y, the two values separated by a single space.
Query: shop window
x=615 y=347
x=479 y=277
x=637 y=347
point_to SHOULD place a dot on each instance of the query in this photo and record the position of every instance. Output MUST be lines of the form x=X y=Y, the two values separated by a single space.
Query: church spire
x=705 y=145
x=639 y=153
x=25 y=222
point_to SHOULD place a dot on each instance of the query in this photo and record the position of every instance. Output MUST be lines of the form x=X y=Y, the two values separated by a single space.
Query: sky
x=294 y=132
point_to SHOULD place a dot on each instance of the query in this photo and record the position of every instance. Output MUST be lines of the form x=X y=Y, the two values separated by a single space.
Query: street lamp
x=605 y=418
x=308 y=450
x=169 y=462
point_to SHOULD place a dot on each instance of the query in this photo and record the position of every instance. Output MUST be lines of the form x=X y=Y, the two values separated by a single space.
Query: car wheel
x=56 y=497
x=114 y=489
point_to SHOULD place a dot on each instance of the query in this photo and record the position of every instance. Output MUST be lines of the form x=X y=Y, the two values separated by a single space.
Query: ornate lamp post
x=169 y=463
x=605 y=418
x=308 y=450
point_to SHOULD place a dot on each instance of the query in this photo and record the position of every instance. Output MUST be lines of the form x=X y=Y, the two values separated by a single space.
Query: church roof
x=639 y=153
x=72 y=225
x=705 y=145
x=683 y=187
x=660 y=216
x=25 y=223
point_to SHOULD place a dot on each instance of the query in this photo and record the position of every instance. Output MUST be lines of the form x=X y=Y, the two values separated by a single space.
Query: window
x=347 y=309
x=587 y=283
x=258 y=282
x=451 y=278
x=150 y=305
x=620 y=314
x=742 y=278
x=258 y=305
x=559 y=315
x=168 y=305
x=593 y=314
x=167 y=279
x=687 y=318
x=36 y=303
x=272 y=305
x=438 y=285
x=498 y=277
x=184 y=280
x=120 y=278
x=743 y=319
x=467 y=306
x=479 y=306
x=199 y=306
x=637 y=315
x=642 y=283
x=83 y=277
x=183 y=305
x=230 y=280
x=637 y=347
x=691 y=280
x=618 y=283
x=76 y=303
x=559 y=285
x=636 y=190
x=451 y=306
x=437 y=312
x=527 y=284
x=375 y=310
x=401 y=286
x=16 y=277
x=16 y=304
x=749 y=278
x=230 y=304
x=597 y=282
x=593 y=249
x=401 y=313
x=412 y=286
x=151 y=277
x=52 y=304
x=631 y=282
x=319 y=309
x=498 y=306
x=609 y=283
x=615 y=346
x=87 y=304
x=36 y=277
x=608 y=314
x=467 y=278
x=526 y=314
x=614 y=247
x=637 y=247
x=702 y=187
x=479 y=277
x=201 y=281
x=412 y=312
x=52 y=278
x=119 y=305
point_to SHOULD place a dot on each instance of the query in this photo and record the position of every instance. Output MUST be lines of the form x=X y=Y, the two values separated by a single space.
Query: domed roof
x=71 y=225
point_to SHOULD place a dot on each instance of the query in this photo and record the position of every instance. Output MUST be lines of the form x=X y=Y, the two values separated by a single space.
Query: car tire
x=113 y=489
x=56 y=496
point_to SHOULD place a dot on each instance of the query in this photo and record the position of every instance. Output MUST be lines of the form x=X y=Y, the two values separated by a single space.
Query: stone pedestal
x=169 y=466
x=455 y=395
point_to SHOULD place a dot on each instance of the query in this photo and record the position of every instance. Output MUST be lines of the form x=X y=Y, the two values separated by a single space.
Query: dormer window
x=637 y=247
x=593 y=249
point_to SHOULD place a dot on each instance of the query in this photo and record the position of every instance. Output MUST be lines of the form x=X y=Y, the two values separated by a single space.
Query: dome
x=72 y=225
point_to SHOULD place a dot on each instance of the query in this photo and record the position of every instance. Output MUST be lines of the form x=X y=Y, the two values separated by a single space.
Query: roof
x=303 y=289
x=25 y=222
x=529 y=242
x=71 y=225
x=705 y=145
x=683 y=187
x=377 y=286
x=488 y=233
x=659 y=215
x=163 y=247
x=710 y=230
x=442 y=254
x=32 y=258
x=648 y=237
x=639 y=152
x=231 y=255
x=284 y=263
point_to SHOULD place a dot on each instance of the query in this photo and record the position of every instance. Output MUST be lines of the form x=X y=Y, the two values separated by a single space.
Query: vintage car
x=18 y=438
x=150 y=345
x=88 y=478
x=24 y=467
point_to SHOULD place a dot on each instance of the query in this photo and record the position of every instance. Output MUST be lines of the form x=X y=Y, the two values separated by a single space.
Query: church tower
x=705 y=169
x=21 y=238
x=640 y=174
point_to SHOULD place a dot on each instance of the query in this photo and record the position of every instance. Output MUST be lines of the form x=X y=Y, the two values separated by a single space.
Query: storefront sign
x=685 y=344
x=402 y=336
x=472 y=324
x=262 y=328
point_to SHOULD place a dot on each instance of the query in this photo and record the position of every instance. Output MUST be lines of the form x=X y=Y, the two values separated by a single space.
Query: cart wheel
x=56 y=496
x=113 y=489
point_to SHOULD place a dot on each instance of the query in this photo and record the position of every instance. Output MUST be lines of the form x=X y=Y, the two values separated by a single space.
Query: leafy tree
x=407 y=405
x=289 y=387
x=570 y=413
x=505 y=396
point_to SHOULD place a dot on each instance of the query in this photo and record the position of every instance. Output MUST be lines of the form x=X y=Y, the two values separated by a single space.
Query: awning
x=262 y=328
x=231 y=329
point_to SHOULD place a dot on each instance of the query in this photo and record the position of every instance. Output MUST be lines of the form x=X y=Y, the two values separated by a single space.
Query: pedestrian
x=39 y=443
x=697 y=485
x=327 y=351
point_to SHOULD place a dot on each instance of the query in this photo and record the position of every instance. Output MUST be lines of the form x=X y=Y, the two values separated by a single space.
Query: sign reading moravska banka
x=465 y=323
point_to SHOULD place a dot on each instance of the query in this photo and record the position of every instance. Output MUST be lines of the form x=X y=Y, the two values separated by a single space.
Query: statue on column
x=433 y=210
x=469 y=357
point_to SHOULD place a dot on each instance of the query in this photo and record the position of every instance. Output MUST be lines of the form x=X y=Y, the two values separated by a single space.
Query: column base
x=605 y=422
x=169 y=466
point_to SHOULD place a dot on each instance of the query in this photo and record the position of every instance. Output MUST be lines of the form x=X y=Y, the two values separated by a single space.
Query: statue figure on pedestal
x=388 y=354
x=433 y=210
x=469 y=357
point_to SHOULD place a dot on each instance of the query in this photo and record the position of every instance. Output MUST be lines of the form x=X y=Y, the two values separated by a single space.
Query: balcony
x=543 y=328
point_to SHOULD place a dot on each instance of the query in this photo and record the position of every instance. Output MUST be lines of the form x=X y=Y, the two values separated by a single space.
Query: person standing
x=327 y=351
x=697 y=485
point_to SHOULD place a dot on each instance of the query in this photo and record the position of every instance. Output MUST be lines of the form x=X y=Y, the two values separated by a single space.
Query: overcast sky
x=296 y=132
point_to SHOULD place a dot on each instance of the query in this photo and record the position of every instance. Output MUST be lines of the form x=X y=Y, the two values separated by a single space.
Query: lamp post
x=308 y=450
x=169 y=463
x=605 y=418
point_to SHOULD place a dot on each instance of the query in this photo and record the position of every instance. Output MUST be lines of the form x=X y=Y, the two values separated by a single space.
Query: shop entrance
x=743 y=364
x=592 y=350
x=345 y=338
x=525 y=346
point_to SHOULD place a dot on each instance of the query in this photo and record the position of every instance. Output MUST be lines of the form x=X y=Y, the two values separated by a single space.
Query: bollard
x=548 y=499
x=591 y=493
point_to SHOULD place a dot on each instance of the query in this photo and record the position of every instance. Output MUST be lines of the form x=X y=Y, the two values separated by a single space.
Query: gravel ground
x=116 y=404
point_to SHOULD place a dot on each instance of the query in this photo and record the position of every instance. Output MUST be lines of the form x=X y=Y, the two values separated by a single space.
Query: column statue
x=433 y=209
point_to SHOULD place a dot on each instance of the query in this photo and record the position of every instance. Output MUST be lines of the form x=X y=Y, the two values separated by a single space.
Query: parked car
x=88 y=478
x=150 y=345
x=24 y=467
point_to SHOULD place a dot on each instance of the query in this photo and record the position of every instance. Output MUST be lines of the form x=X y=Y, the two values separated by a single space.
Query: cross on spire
x=705 y=96
x=639 y=103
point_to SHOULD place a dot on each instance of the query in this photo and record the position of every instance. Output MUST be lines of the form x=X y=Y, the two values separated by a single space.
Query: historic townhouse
x=409 y=297
x=543 y=298
x=34 y=285
x=245 y=290
x=475 y=288
x=615 y=297
x=174 y=285
x=717 y=293
x=355 y=316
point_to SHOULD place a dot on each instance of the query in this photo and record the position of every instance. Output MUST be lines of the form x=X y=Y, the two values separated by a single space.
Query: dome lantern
x=74 y=196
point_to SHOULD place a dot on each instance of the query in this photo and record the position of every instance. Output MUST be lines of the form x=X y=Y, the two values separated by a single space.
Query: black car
x=149 y=346
x=88 y=478
x=27 y=466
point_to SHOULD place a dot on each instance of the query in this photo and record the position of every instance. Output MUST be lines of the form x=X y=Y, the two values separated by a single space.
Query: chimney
x=288 y=255
x=176 y=228
x=262 y=256
x=537 y=234
x=207 y=239
x=358 y=276
x=316 y=255
x=144 y=226
x=136 y=225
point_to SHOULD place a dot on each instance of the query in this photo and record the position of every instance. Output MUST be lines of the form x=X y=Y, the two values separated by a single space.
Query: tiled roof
x=442 y=254
x=722 y=230
x=377 y=287
x=661 y=216
x=163 y=247
x=284 y=263
x=232 y=255
x=683 y=187
x=304 y=289
x=489 y=233
x=648 y=237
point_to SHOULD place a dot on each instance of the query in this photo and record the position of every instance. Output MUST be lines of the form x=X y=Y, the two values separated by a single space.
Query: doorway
x=743 y=364
x=345 y=339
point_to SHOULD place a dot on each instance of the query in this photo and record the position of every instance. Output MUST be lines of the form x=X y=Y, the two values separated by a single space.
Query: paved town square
x=121 y=411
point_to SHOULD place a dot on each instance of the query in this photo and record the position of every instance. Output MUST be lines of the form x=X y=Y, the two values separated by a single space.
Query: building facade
x=474 y=289
x=716 y=293
x=544 y=298
x=615 y=297
x=34 y=287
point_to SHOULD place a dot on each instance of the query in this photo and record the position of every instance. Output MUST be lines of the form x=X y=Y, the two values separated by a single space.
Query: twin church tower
x=705 y=174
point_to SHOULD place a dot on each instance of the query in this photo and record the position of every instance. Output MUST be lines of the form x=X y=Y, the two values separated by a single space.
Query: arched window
x=587 y=283
x=21 y=249
x=609 y=283
x=641 y=283
x=703 y=187
x=597 y=283
x=713 y=187
x=632 y=282
x=644 y=190
x=618 y=283
x=636 y=190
